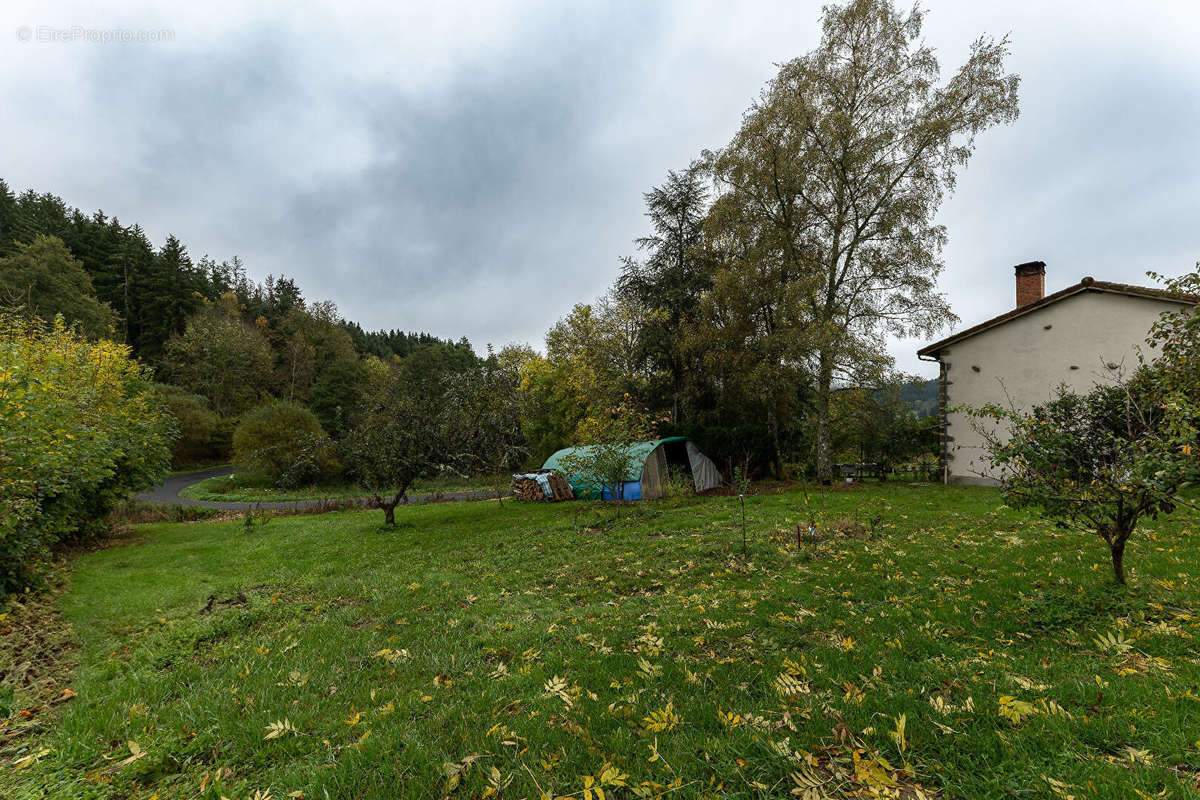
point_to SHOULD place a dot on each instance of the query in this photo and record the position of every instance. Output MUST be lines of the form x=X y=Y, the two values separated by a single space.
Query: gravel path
x=168 y=492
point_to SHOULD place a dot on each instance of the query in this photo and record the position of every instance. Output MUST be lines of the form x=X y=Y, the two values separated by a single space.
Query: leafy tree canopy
x=45 y=279
x=828 y=192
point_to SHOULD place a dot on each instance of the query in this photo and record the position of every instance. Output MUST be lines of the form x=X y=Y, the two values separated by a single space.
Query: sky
x=477 y=168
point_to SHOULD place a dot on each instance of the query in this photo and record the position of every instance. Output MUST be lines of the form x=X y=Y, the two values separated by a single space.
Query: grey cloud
x=475 y=209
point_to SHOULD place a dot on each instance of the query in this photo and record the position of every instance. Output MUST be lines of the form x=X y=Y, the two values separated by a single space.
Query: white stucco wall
x=1070 y=341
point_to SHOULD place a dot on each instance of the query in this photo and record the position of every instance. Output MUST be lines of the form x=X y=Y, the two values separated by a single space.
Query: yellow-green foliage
x=80 y=427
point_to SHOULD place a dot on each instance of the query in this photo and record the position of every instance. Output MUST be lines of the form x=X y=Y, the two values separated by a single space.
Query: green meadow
x=925 y=642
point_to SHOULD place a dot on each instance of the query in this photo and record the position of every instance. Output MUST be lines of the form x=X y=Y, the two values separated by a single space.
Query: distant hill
x=922 y=396
x=154 y=291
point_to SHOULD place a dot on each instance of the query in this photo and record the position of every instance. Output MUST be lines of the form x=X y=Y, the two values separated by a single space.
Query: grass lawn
x=958 y=649
x=240 y=488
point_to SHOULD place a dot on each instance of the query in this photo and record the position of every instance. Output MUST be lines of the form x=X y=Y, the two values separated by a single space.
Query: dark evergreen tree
x=9 y=213
x=671 y=280
x=40 y=213
x=171 y=292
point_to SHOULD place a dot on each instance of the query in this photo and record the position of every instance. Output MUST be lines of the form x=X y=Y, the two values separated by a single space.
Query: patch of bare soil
x=238 y=599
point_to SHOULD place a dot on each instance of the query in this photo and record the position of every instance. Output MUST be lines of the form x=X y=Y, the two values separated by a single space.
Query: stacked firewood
x=526 y=487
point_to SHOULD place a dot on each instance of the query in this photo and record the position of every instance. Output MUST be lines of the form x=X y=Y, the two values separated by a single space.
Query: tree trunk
x=1118 y=557
x=824 y=383
x=389 y=506
x=777 y=467
x=745 y=549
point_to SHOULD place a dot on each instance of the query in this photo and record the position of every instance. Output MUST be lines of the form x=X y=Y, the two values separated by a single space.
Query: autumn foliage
x=80 y=427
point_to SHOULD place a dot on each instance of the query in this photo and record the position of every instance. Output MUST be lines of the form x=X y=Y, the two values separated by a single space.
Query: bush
x=286 y=444
x=81 y=427
x=200 y=429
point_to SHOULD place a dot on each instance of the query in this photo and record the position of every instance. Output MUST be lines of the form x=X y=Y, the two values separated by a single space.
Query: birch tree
x=836 y=174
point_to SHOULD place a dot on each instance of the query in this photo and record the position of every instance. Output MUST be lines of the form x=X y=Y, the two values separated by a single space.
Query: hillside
x=922 y=396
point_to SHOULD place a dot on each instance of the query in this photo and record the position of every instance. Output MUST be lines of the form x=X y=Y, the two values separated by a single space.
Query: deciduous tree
x=1096 y=462
x=833 y=180
x=221 y=357
x=485 y=431
x=403 y=429
x=1101 y=461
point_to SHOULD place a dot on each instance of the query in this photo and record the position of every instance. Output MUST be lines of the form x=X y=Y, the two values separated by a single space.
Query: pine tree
x=9 y=213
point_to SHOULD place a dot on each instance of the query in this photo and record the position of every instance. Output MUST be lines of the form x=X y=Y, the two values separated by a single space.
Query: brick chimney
x=1031 y=282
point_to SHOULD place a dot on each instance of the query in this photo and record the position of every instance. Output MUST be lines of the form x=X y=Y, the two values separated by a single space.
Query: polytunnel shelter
x=650 y=465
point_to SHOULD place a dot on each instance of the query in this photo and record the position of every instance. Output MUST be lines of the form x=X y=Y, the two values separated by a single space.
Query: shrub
x=81 y=427
x=199 y=427
x=285 y=443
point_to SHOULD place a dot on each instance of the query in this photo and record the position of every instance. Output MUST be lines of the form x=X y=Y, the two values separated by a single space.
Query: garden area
x=918 y=641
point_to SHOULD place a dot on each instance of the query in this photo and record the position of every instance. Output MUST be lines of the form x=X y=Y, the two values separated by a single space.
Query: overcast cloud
x=477 y=168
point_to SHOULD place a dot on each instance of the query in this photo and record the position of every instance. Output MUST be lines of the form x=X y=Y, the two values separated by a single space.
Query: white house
x=1079 y=336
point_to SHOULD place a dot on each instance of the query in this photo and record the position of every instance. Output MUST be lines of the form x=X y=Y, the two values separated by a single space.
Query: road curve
x=168 y=492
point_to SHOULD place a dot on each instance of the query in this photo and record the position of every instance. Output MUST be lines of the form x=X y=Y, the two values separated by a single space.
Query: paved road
x=168 y=492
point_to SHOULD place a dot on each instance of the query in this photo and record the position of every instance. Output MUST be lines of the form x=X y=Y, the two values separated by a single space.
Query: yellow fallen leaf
x=32 y=758
x=135 y=751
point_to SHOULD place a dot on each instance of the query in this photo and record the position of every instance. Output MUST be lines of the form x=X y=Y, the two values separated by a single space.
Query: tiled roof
x=1086 y=285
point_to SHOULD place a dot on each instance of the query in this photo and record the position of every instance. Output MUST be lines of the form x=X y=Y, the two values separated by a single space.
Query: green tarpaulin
x=647 y=469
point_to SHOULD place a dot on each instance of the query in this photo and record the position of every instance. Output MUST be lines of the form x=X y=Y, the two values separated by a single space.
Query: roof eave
x=1086 y=285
